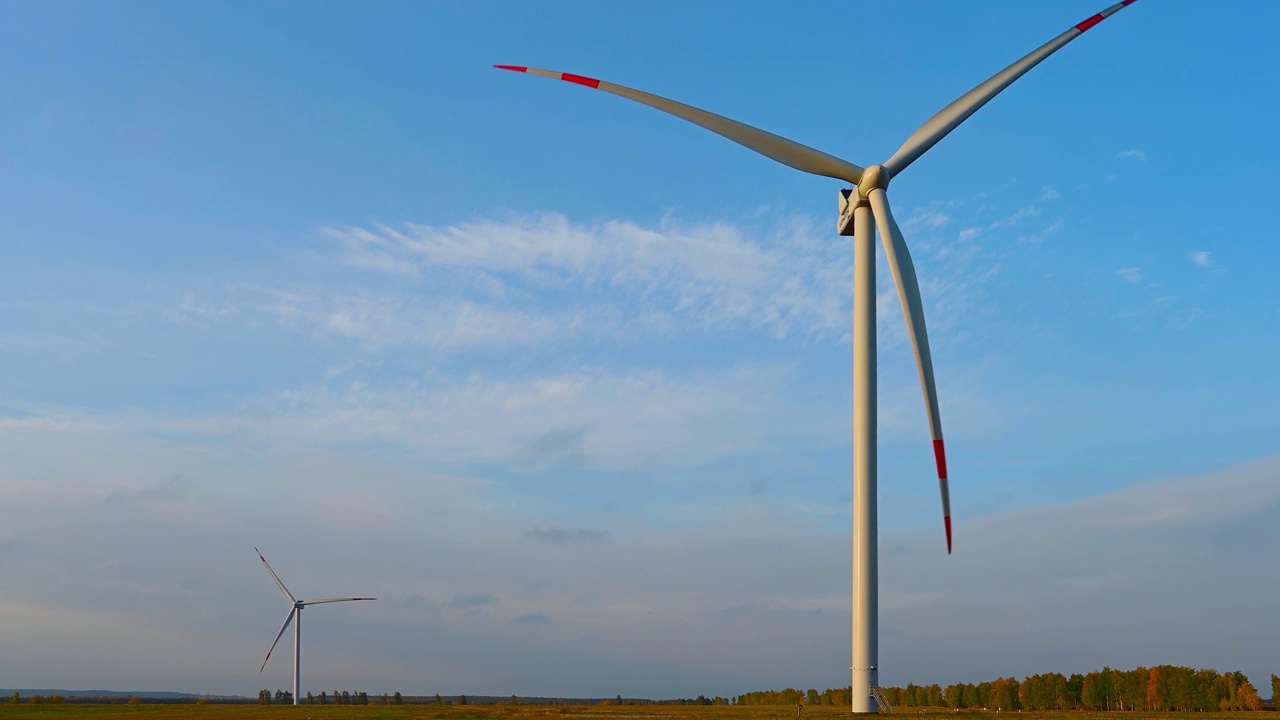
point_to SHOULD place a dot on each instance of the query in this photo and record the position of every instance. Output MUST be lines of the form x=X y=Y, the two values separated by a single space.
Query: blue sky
x=567 y=381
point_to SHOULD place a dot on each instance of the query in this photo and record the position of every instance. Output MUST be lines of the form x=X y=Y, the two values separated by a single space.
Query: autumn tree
x=1275 y=690
x=1249 y=698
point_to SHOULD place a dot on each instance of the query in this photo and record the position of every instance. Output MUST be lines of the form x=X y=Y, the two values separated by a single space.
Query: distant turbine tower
x=859 y=206
x=295 y=611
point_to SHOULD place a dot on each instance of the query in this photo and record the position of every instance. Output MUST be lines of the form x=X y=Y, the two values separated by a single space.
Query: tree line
x=1162 y=688
x=343 y=697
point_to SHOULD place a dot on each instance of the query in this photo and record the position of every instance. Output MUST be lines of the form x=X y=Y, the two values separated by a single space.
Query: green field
x=531 y=712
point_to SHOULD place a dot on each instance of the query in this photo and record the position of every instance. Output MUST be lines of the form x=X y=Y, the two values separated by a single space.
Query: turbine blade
x=283 y=589
x=332 y=600
x=787 y=152
x=957 y=112
x=287 y=620
x=904 y=276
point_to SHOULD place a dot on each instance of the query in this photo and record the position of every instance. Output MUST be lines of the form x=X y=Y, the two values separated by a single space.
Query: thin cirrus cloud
x=1132 y=154
x=567 y=536
x=1130 y=275
x=1201 y=259
x=713 y=276
x=593 y=416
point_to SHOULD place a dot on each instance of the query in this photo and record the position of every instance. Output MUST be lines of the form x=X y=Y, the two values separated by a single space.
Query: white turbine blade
x=957 y=112
x=284 y=627
x=787 y=152
x=331 y=600
x=904 y=276
x=283 y=589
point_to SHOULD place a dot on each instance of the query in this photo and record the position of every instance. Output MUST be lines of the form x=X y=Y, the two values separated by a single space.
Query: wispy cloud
x=1130 y=275
x=1017 y=217
x=1138 y=155
x=556 y=535
x=175 y=488
x=930 y=218
x=1201 y=258
x=467 y=600
x=533 y=618
x=590 y=416
x=790 y=281
x=1039 y=237
x=1048 y=193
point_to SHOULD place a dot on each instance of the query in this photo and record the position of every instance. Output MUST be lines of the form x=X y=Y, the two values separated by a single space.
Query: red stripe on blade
x=589 y=82
x=1127 y=3
x=940 y=456
x=513 y=68
x=947 y=521
x=1082 y=27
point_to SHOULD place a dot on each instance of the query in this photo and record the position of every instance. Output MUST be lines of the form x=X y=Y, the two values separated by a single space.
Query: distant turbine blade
x=284 y=627
x=787 y=152
x=957 y=112
x=283 y=589
x=331 y=600
x=904 y=276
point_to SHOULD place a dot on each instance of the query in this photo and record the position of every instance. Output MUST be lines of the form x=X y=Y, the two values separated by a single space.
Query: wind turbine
x=864 y=208
x=294 y=616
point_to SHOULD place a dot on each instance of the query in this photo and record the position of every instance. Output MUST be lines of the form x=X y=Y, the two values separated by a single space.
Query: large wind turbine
x=294 y=616
x=864 y=208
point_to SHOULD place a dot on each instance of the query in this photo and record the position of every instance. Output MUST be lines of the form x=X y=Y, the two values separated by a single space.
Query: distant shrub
x=202 y=701
x=135 y=701
x=36 y=700
x=56 y=699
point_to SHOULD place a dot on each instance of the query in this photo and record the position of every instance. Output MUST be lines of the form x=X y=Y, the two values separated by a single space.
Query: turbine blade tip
x=947 y=521
x=940 y=457
x=512 y=68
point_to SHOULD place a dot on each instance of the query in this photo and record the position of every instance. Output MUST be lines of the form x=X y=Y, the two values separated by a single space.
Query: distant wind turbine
x=861 y=206
x=295 y=616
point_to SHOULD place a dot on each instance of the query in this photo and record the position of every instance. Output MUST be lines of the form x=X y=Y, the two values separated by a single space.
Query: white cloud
x=1138 y=155
x=590 y=417
x=792 y=281
x=1202 y=259
x=1017 y=217
x=1039 y=237
x=1048 y=193
x=970 y=233
x=1130 y=275
x=931 y=218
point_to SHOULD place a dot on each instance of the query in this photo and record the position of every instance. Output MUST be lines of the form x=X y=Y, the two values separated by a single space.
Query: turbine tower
x=864 y=209
x=294 y=616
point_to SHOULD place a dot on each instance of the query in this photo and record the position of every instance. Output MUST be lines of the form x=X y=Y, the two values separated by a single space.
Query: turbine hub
x=875 y=177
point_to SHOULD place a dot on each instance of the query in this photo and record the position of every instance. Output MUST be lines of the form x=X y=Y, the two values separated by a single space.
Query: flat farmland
x=532 y=712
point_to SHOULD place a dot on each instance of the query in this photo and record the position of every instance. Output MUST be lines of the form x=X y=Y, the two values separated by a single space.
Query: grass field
x=532 y=712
